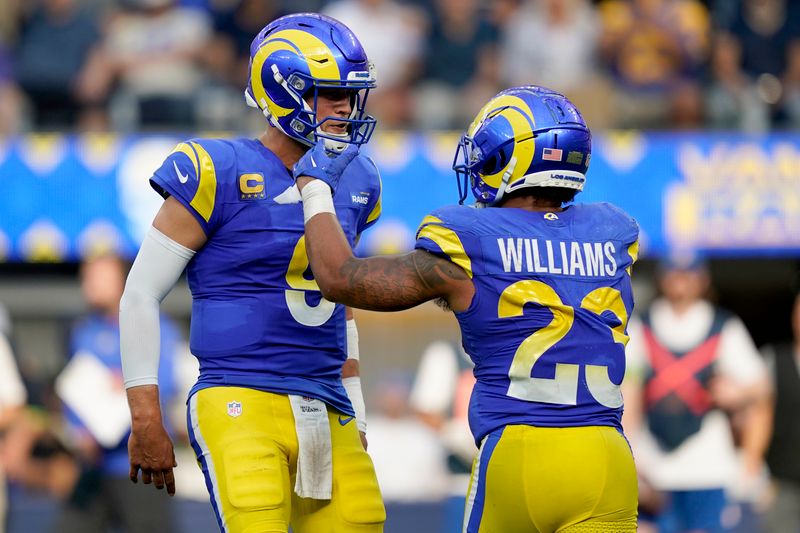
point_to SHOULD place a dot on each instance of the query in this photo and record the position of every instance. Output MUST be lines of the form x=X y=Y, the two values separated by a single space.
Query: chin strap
x=501 y=190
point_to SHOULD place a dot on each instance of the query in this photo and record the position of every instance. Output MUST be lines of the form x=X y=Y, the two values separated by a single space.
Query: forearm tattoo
x=398 y=282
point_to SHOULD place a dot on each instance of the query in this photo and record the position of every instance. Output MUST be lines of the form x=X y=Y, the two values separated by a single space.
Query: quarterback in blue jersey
x=542 y=294
x=273 y=423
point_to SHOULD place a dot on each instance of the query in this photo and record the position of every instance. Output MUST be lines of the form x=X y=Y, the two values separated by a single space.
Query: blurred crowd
x=128 y=65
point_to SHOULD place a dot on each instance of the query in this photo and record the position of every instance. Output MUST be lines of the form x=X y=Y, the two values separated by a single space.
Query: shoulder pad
x=442 y=233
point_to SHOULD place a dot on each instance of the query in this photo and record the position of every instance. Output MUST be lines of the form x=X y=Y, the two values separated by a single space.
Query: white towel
x=314 y=456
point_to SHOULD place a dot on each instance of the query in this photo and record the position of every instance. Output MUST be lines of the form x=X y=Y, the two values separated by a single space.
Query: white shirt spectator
x=708 y=458
x=441 y=393
x=12 y=391
x=409 y=460
x=388 y=31
x=12 y=395
x=550 y=42
x=157 y=51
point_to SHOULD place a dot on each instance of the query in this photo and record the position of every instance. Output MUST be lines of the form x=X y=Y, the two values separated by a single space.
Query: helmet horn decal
x=318 y=56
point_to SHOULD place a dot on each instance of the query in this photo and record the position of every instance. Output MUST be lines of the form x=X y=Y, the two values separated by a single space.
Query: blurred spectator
x=783 y=360
x=391 y=34
x=104 y=495
x=440 y=398
x=152 y=50
x=409 y=459
x=568 y=63
x=10 y=101
x=653 y=47
x=461 y=69
x=768 y=35
x=693 y=365
x=9 y=22
x=12 y=399
x=732 y=99
x=765 y=29
x=235 y=25
x=792 y=84
x=226 y=57
x=54 y=48
x=35 y=458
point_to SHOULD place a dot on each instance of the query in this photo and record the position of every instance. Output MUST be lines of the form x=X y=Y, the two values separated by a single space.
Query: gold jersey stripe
x=633 y=251
x=376 y=211
x=430 y=219
x=449 y=242
x=189 y=152
x=204 y=198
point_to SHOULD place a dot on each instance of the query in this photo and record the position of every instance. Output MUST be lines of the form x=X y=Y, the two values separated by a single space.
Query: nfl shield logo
x=234 y=409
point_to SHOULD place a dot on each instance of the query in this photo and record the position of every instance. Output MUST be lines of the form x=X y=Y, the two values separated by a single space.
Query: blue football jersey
x=547 y=326
x=258 y=318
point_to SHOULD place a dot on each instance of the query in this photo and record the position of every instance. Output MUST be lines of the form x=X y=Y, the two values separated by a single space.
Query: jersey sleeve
x=627 y=232
x=442 y=233
x=190 y=175
x=372 y=212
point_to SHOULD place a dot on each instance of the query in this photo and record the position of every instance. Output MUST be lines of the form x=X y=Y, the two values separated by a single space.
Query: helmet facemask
x=359 y=126
x=303 y=125
x=471 y=164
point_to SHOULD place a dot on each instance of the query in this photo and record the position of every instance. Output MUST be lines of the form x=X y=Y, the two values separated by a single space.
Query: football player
x=542 y=294
x=274 y=426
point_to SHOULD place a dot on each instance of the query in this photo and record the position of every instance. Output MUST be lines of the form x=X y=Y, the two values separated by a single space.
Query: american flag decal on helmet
x=552 y=154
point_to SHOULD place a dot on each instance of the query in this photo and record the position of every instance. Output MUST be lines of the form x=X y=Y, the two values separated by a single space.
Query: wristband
x=352 y=340
x=353 y=387
x=317 y=198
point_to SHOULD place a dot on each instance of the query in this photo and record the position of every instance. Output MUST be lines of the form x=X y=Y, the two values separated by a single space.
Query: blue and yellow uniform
x=262 y=331
x=547 y=332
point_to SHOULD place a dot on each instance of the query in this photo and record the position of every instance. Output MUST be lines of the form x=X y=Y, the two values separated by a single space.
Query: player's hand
x=150 y=450
x=324 y=164
x=363 y=439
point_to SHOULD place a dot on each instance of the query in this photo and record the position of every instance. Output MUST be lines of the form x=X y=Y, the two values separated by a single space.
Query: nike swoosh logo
x=314 y=163
x=183 y=178
x=344 y=420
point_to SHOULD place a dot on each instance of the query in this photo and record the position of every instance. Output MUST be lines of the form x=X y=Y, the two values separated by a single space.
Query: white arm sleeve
x=157 y=267
x=352 y=340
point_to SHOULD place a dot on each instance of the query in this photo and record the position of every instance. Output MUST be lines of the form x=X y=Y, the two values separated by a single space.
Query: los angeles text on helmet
x=594 y=259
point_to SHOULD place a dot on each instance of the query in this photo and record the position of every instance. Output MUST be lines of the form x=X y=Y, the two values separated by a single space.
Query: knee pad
x=356 y=487
x=255 y=476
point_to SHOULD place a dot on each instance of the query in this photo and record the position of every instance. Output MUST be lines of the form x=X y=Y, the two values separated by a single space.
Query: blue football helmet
x=524 y=137
x=296 y=56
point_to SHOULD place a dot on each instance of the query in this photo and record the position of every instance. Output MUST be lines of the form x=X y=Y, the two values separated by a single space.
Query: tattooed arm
x=385 y=283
